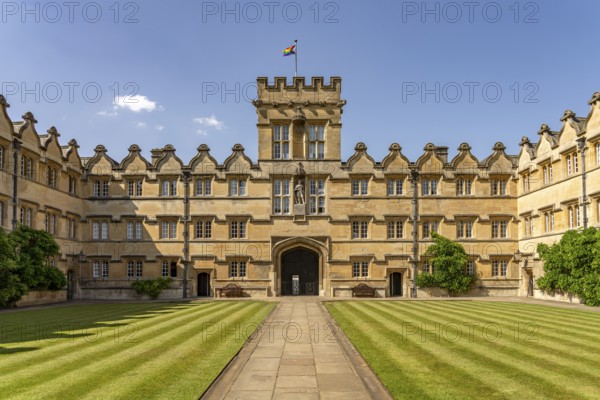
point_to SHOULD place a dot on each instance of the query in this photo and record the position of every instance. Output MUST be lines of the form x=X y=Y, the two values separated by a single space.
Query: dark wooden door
x=70 y=284
x=203 y=284
x=395 y=284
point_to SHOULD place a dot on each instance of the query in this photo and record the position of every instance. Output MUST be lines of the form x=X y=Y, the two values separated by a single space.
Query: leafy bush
x=24 y=256
x=449 y=260
x=573 y=265
x=151 y=287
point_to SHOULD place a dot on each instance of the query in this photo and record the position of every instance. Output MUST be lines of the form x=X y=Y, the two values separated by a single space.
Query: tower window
x=316 y=142
x=281 y=142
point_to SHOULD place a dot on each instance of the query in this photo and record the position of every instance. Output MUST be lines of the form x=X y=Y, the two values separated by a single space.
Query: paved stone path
x=297 y=357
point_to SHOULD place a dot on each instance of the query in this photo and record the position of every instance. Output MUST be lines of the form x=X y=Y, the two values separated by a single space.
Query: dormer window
x=51 y=177
x=429 y=187
x=572 y=163
x=547 y=173
x=134 y=187
x=463 y=187
x=72 y=185
x=101 y=188
x=26 y=167
x=316 y=142
x=168 y=187
x=499 y=187
x=281 y=142
x=237 y=187
x=360 y=187
x=203 y=187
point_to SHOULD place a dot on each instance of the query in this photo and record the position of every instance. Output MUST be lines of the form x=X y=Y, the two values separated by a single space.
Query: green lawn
x=476 y=350
x=122 y=351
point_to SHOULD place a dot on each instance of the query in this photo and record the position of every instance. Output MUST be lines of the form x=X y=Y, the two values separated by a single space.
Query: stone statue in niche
x=299 y=193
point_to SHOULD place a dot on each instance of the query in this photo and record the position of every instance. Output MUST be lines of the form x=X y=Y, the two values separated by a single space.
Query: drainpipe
x=186 y=233
x=414 y=175
x=581 y=147
x=16 y=148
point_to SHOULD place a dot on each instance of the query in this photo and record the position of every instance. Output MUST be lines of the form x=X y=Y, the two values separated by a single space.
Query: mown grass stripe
x=99 y=353
x=400 y=382
x=557 y=318
x=541 y=357
x=55 y=351
x=567 y=341
x=553 y=349
x=476 y=352
x=162 y=359
x=219 y=348
x=434 y=370
x=72 y=322
x=484 y=355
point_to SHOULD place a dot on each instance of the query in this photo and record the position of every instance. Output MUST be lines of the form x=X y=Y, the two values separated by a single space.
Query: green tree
x=573 y=265
x=449 y=261
x=11 y=287
x=24 y=256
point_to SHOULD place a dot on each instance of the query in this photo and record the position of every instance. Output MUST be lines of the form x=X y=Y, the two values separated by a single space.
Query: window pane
x=277 y=187
x=286 y=150
x=242 y=188
x=321 y=151
x=286 y=205
x=207 y=230
x=286 y=187
x=277 y=205
x=321 y=205
x=285 y=132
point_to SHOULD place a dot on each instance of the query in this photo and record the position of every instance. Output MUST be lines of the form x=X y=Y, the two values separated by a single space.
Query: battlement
x=298 y=91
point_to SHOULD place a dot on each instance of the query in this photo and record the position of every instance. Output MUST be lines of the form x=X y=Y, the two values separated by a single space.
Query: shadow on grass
x=87 y=321
x=14 y=350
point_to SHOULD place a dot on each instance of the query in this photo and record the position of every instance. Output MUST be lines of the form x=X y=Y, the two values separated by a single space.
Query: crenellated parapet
x=298 y=93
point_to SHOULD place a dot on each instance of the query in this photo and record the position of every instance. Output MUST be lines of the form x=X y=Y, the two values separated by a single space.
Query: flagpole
x=296 y=58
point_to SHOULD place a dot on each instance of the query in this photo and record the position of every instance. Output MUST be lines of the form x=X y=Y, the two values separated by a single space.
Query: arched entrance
x=395 y=284
x=299 y=272
x=203 y=284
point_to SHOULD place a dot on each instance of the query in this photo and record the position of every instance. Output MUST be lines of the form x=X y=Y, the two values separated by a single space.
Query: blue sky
x=491 y=71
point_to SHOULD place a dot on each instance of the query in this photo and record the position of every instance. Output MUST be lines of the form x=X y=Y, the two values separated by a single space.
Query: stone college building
x=299 y=220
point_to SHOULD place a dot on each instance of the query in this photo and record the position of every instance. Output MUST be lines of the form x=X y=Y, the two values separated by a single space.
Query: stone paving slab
x=297 y=356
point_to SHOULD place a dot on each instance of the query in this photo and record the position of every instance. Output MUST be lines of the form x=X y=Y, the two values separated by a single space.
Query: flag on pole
x=288 y=51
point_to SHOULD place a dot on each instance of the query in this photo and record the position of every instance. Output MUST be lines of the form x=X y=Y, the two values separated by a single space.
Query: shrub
x=151 y=287
x=573 y=265
x=449 y=260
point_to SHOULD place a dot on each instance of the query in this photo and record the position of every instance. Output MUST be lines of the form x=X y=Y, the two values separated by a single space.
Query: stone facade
x=299 y=219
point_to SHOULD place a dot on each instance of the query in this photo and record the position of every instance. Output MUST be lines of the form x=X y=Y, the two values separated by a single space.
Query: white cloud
x=108 y=113
x=202 y=132
x=211 y=122
x=159 y=127
x=136 y=103
x=140 y=124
